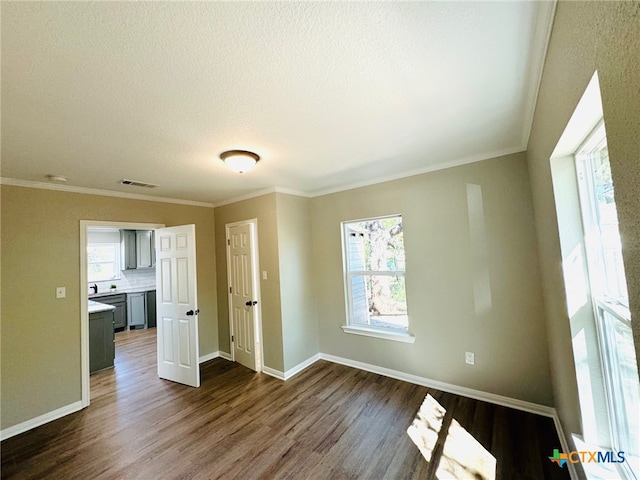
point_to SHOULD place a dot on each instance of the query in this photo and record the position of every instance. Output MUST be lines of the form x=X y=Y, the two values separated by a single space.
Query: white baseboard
x=292 y=371
x=273 y=372
x=225 y=355
x=41 y=420
x=301 y=366
x=211 y=356
x=445 y=387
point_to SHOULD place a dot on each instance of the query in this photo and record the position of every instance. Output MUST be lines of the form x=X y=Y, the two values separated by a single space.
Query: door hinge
x=228 y=241
x=231 y=338
x=230 y=289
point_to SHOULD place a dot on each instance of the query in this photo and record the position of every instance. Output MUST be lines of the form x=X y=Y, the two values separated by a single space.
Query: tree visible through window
x=374 y=271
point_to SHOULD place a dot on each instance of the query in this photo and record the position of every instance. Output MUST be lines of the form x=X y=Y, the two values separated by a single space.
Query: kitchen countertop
x=95 y=307
x=119 y=291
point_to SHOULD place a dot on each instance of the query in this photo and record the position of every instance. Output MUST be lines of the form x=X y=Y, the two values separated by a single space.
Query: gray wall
x=289 y=327
x=264 y=209
x=41 y=251
x=587 y=36
x=297 y=292
x=508 y=336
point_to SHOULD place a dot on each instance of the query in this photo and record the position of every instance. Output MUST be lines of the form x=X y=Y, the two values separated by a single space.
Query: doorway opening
x=104 y=270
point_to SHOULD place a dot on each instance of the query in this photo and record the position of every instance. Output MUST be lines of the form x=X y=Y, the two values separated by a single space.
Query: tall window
x=103 y=261
x=374 y=263
x=609 y=292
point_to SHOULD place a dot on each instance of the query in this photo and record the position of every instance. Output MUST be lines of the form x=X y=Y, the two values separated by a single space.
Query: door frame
x=84 y=294
x=257 y=310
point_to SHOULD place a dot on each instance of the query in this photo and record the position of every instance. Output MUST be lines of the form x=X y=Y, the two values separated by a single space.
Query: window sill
x=376 y=333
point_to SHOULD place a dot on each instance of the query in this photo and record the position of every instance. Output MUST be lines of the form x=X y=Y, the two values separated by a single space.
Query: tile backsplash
x=130 y=279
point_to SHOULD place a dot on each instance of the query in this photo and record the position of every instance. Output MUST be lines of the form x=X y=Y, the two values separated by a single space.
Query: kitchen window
x=374 y=277
x=103 y=261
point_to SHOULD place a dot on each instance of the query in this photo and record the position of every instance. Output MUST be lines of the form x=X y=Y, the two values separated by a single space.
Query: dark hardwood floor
x=328 y=422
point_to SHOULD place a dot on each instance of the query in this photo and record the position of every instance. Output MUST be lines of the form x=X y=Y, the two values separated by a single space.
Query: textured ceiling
x=329 y=94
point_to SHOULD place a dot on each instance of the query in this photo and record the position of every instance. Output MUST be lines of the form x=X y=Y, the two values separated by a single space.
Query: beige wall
x=289 y=326
x=40 y=251
x=587 y=36
x=299 y=321
x=264 y=209
x=509 y=340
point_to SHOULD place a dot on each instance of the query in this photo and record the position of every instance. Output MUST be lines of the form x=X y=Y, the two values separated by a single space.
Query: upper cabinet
x=145 y=248
x=138 y=249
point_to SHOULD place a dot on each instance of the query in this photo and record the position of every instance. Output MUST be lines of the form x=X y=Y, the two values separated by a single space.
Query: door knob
x=251 y=303
x=191 y=312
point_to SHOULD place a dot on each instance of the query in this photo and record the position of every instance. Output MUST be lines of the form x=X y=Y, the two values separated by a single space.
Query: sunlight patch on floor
x=426 y=426
x=462 y=455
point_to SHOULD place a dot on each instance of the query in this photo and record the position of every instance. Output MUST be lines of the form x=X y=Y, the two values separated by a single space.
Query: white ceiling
x=329 y=94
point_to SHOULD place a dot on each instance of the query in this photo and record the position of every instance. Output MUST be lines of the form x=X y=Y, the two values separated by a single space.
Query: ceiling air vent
x=135 y=183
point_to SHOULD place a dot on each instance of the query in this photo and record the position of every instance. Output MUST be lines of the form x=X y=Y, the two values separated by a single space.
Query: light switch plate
x=61 y=292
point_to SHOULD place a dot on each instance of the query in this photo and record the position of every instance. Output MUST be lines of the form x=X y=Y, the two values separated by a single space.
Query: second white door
x=243 y=301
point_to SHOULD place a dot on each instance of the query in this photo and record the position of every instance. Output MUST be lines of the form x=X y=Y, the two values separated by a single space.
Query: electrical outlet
x=264 y=274
x=470 y=358
x=61 y=292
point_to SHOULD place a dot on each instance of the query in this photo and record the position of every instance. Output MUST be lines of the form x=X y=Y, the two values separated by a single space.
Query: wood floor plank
x=328 y=422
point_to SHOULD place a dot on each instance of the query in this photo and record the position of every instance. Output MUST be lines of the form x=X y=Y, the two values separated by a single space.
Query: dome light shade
x=239 y=160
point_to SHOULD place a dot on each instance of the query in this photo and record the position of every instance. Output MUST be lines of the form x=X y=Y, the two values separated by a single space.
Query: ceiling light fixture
x=239 y=160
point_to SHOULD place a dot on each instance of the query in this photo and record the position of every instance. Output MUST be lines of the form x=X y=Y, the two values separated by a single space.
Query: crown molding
x=541 y=40
x=420 y=171
x=264 y=191
x=260 y=193
x=94 y=191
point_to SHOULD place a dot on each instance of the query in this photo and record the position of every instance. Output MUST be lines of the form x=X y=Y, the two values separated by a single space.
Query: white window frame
x=116 y=263
x=595 y=253
x=356 y=328
x=608 y=310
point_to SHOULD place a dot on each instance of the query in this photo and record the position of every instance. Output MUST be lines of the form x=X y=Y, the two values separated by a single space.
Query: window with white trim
x=374 y=269
x=103 y=261
x=610 y=298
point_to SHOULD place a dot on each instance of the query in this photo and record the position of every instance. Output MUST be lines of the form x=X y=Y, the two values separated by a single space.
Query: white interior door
x=177 y=305
x=243 y=301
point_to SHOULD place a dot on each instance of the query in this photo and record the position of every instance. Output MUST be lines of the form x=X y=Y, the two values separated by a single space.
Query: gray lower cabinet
x=137 y=310
x=120 y=313
x=151 y=308
x=101 y=338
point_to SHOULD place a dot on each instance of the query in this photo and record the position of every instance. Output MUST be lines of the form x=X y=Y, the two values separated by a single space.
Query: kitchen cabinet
x=145 y=248
x=151 y=308
x=137 y=310
x=138 y=249
x=101 y=341
x=128 y=249
x=120 y=313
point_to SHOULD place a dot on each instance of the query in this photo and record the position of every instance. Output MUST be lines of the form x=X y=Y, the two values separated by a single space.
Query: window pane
x=375 y=263
x=101 y=253
x=101 y=271
x=622 y=375
x=379 y=301
x=607 y=221
x=103 y=261
x=376 y=245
